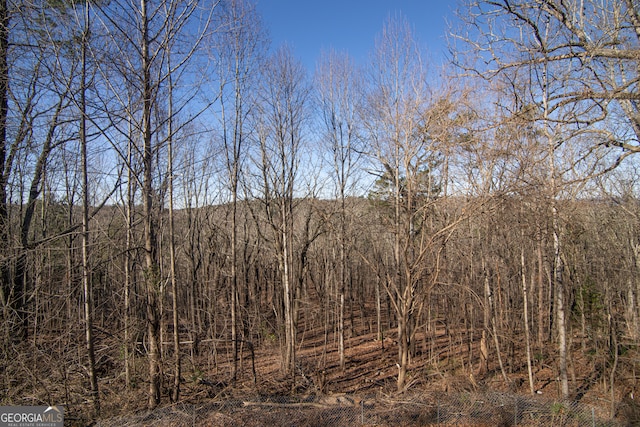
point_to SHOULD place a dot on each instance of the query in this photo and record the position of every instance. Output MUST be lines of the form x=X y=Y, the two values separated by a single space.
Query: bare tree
x=5 y=164
x=29 y=119
x=408 y=130
x=572 y=67
x=397 y=102
x=338 y=89
x=596 y=42
x=239 y=47
x=144 y=37
x=280 y=132
x=86 y=269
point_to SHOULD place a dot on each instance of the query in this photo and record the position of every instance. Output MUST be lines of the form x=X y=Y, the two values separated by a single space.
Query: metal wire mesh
x=470 y=409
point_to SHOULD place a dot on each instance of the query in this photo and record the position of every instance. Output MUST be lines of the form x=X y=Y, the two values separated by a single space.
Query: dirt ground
x=440 y=384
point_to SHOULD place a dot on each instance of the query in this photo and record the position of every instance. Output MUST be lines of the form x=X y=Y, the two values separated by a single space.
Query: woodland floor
x=440 y=372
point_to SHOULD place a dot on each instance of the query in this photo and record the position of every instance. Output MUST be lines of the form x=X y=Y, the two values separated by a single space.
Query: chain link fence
x=466 y=409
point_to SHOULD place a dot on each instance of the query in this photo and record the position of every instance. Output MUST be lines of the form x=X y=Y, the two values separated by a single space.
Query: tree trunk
x=86 y=269
x=561 y=319
x=403 y=349
x=525 y=301
x=175 y=394
x=542 y=307
x=5 y=271
x=128 y=273
x=494 y=328
x=289 y=321
x=152 y=281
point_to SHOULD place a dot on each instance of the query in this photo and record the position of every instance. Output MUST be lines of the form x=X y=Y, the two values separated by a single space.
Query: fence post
x=515 y=412
x=593 y=416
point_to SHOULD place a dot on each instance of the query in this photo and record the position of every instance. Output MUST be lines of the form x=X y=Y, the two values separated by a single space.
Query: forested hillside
x=186 y=209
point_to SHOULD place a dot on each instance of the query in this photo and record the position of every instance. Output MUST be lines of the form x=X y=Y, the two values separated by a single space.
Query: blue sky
x=309 y=26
